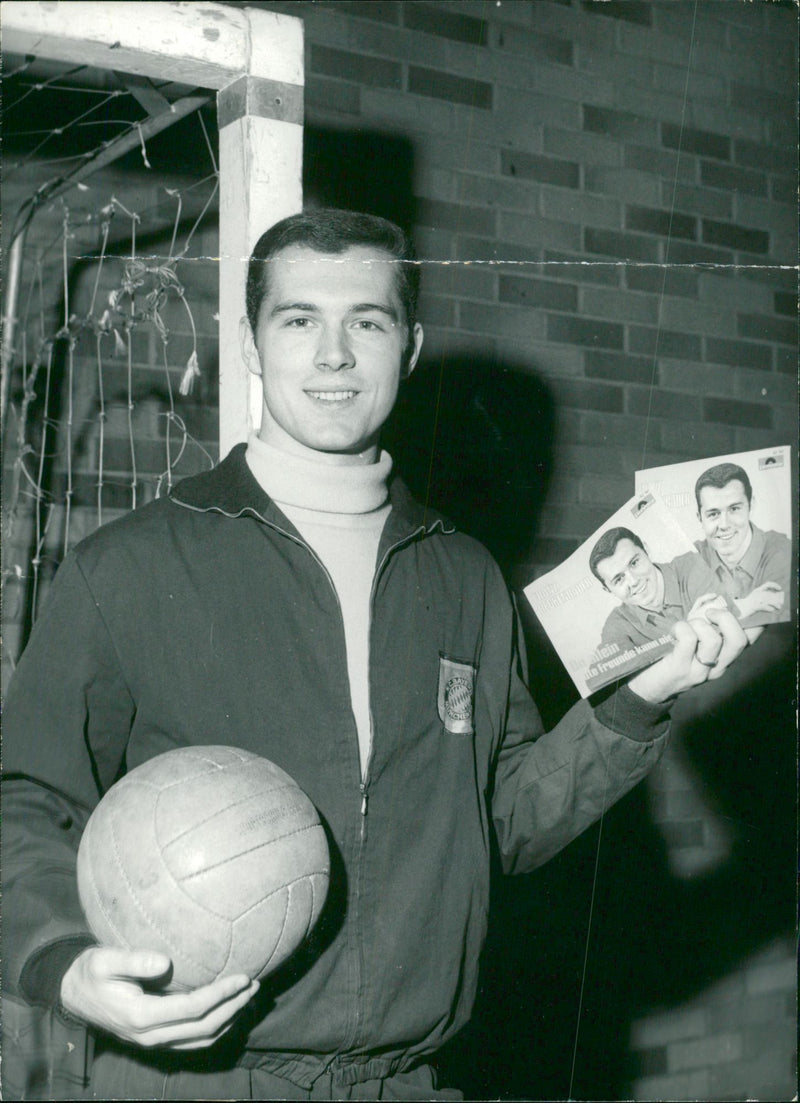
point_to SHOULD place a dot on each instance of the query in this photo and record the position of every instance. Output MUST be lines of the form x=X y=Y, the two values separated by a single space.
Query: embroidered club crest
x=456 y=696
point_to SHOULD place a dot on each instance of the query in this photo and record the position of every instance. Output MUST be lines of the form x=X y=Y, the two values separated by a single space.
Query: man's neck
x=293 y=479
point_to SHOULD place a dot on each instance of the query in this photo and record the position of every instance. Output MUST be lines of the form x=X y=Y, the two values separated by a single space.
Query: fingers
x=217 y=1021
x=197 y=1019
x=679 y=670
x=190 y=1020
x=733 y=641
x=703 y=650
x=687 y=637
x=708 y=643
x=696 y=650
x=194 y=1006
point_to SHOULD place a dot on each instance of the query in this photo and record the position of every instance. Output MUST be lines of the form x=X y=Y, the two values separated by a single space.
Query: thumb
x=686 y=642
x=151 y=964
x=136 y=964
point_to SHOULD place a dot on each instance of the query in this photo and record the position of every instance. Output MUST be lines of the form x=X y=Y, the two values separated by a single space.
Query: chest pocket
x=456 y=695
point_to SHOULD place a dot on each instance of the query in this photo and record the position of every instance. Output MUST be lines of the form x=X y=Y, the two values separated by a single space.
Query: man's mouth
x=332 y=396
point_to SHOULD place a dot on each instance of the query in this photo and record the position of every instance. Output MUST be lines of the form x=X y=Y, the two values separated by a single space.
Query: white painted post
x=261 y=153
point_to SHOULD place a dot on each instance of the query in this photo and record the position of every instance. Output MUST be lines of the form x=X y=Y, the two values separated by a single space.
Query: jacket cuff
x=628 y=714
x=40 y=980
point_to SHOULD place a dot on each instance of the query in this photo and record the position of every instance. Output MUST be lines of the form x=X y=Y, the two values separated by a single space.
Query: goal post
x=253 y=59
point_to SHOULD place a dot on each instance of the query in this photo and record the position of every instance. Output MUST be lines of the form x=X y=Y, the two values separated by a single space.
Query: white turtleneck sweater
x=340 y=512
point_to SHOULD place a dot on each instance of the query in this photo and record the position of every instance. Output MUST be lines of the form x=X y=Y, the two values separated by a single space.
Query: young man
x=296 y=602
x=653 y=596
x=751 y=567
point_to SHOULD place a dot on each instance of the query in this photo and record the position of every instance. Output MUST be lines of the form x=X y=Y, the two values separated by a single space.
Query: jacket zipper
x=375 y=578
x=363 y=780
x=364 y=799
x=364 y=787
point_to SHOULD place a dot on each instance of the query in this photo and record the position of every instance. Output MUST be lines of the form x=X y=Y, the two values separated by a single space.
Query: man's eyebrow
x=285 y=308
x=382 y=308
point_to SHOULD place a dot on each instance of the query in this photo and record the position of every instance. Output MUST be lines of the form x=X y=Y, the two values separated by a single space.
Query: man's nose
x=333 y=350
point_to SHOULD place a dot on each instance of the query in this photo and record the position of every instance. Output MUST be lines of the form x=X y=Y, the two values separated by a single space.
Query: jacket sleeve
x=65 y=728
x=550 y=786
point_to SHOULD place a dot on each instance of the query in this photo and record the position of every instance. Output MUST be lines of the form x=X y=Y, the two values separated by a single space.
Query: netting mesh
x=111 y=365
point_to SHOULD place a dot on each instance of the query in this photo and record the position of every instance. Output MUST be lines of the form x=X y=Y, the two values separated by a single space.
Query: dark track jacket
x=205 y=618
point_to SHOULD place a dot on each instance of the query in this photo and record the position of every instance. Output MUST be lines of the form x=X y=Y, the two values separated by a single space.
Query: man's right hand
x=106 y=988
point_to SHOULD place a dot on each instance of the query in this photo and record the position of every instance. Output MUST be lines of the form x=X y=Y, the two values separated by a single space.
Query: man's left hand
x=703 y=651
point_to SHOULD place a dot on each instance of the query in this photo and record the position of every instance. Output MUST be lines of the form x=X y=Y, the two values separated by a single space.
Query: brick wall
x=567 y=138
x=604 y=198
x=551 y=145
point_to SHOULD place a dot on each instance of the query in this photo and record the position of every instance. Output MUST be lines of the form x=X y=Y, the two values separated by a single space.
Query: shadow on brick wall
x=606 y=932
x=473 y=439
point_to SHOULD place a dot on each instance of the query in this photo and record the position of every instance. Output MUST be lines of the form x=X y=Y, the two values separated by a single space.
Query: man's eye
x=366 y=324
x=297 y=323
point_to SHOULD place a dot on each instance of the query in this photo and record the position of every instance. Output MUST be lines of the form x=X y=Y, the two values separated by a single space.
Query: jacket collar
x=230 y=488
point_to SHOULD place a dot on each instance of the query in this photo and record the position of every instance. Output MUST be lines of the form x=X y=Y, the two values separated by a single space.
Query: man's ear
x=416 y=343
x=248 y=347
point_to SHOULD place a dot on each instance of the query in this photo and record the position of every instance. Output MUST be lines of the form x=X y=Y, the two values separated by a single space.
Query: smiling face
x=630 y=575
x=725 y=516
x=329 y=346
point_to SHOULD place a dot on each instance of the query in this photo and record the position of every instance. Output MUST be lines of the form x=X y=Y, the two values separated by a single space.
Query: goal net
x=121 y=219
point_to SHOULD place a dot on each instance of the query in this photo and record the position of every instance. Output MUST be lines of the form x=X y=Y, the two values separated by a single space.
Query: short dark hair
x=719 y=476
x=330 y=230
x=607 y=545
